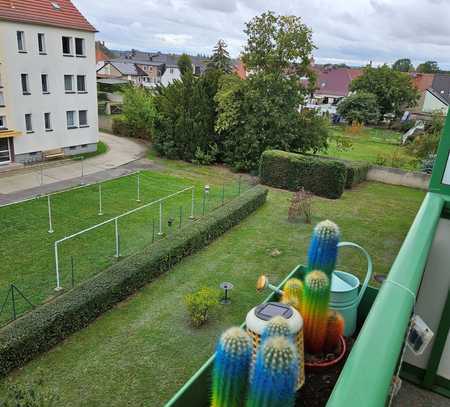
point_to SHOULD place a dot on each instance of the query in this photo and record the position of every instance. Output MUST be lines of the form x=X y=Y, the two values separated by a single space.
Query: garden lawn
x=143 y=350
x=27 y=249
x=376 y=146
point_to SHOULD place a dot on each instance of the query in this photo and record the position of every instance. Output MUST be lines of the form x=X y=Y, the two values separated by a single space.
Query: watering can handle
x=369 y=266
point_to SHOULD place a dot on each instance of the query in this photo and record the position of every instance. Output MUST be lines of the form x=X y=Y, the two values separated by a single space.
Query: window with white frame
x=81 y=83
x=28 y=123
x=3 y=122
x=41 y=43
x=67 y=46
x=70 y=114
x=68 y=83
x=82 y=118
x=21 y=41
x=79 y=47
x=2 y=99
x=44 y=81
x=47 y=122
x=25 y=84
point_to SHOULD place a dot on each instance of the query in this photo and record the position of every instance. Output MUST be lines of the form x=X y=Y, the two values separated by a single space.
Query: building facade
x=48 y=103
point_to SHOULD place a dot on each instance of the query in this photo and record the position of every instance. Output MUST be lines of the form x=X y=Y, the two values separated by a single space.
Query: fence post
x=50 y=223
x=192 y=204
x=223 y=194
x=116 y=227
x=153 y=231
x=138 y=187
x=13 y=302
x=181 y=215
x=160 y=233
x=204 y=202
x=58 y=281
x=82 y=170
x=100 y=209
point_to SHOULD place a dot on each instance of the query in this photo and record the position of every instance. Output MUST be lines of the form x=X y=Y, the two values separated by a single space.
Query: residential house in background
x=332 y=85
x=151 y=68
x=434 y=94
x=48 y=102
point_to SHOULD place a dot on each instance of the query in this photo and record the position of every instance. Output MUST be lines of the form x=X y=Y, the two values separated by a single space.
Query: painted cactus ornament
x=231 y=368
x=323 y=249
x=274 y=378
x=293 y=293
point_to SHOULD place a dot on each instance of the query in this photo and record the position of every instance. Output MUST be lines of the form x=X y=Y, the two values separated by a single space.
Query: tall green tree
x=263 y=111
x=138 y=111
x=220 y=58
x=394 y=90
x=184 y=63
x=360 y=107
x=279 y=45
x=428 y=67
x=403 y=65
x=186 y=117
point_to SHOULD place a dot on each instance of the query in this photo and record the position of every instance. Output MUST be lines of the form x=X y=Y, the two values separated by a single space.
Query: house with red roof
x=332 y=85
x=48 y=102
x=434 y=94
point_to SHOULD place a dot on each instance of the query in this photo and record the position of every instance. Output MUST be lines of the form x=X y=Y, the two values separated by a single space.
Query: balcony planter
x=325 y=364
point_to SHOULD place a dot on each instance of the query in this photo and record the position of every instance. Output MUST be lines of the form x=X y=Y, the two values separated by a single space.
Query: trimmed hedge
x=42 y=328
x=323 y=177
x=356 y=172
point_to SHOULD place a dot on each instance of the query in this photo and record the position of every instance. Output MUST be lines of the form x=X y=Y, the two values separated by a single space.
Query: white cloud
x=343 y=30
x=173 y=39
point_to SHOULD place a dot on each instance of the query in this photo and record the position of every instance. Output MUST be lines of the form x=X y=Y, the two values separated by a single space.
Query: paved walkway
x=412 y=396
x=120 y=159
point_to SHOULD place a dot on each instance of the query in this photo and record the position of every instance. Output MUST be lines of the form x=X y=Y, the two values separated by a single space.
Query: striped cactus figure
x=335 y=329
x=323 y=249
x=293 y=293
x=231 y=369
x=316 y=298
x=274 y=379
x=277 y=326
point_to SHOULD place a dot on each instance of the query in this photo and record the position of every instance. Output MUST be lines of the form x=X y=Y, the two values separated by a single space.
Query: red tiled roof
x=44 y=12
x=335 y=81
x=422 y=81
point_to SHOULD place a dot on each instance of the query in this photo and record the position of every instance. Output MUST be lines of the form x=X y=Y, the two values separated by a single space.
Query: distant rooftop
x=58 y=13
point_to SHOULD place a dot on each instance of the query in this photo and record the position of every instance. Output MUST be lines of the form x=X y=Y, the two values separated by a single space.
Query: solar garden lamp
x=205 y=193
x=226 y=286
x=263 y=282
x=170 y=222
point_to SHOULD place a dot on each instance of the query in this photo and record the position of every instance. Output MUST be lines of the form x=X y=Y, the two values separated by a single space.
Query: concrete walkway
x=413 y=396
x=54 y=176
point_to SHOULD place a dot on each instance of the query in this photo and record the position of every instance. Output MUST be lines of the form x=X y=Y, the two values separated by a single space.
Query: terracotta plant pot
x=328 y=363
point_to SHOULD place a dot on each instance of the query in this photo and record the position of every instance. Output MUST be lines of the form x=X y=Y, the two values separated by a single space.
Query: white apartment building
x=48 y=93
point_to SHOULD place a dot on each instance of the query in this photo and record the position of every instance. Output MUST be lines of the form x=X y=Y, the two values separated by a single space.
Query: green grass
x=371 y=145
x=144 y=349
x=102 y=148
x=28 y=248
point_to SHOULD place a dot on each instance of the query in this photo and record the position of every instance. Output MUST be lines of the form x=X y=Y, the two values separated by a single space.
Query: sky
x=344 y=31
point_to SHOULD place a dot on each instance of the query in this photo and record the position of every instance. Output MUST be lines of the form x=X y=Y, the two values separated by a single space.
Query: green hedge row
x=356 y=172
x=42 y=328
x=323 y=177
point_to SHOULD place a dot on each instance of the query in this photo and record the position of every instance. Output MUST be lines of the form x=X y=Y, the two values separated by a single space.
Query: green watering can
x=345 y=292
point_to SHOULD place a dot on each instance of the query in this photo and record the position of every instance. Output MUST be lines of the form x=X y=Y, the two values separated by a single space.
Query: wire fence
x=117 y=218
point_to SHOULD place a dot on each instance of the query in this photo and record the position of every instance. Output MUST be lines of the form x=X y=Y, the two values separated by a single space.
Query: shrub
x=380 y=159
x=120 y=127
x=356 y=172
x=45 y=326
x=200 y=303
x=323 y=177
x=29 y=395
x=360 y=107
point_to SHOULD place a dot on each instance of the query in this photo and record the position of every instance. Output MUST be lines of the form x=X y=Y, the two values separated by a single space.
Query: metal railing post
x=58 y=281
x=192 y=204
x=160 y=233
x=116 y=228
x=100 y=208
x=138 y=187
x=13 y=302
x=50 y=224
